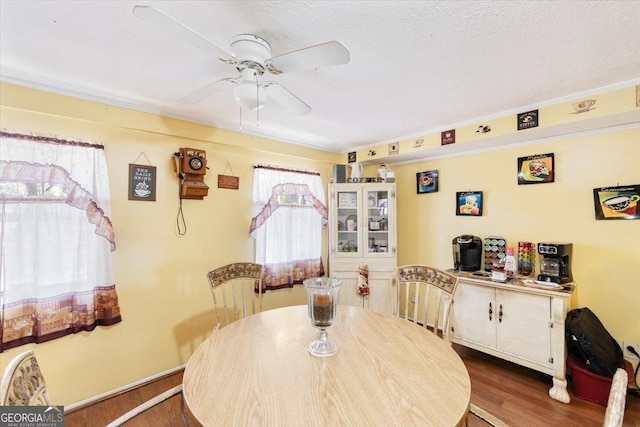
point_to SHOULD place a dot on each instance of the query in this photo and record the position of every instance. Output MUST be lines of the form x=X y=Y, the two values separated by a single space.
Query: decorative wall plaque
x=536 y=169
x=142 y=182
x=528 y=120
x=617 y=202
x=448 y=137
x=230 y=182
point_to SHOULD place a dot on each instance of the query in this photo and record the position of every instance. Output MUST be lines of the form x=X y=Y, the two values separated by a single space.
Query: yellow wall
x=160 y=276
x=606 y=254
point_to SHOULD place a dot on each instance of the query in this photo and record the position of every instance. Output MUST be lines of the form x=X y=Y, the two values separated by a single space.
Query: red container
x=590 y=386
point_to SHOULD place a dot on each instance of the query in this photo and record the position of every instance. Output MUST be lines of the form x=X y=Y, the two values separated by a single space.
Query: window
x=56 y=239
x=288 y=216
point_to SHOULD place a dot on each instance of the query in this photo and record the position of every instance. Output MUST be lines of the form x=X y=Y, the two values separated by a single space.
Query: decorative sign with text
x=528 y=120
x=619 y=202
x=352 y=157
x=142 y=182
x=536 y=169
x=448 y=137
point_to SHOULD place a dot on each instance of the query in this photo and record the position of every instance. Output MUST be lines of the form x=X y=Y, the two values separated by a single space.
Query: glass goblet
x=322 y=293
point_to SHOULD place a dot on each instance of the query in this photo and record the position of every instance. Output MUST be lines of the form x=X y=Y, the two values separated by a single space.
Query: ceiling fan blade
x=286 y=99
x=165 y=22
x=321 y=55
x=208 y=90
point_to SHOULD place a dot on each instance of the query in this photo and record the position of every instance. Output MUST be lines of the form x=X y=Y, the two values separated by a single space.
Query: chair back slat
x=425 y=295
x=232 y=285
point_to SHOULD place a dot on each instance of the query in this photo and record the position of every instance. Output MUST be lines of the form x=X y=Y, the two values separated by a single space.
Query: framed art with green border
x=537 y=169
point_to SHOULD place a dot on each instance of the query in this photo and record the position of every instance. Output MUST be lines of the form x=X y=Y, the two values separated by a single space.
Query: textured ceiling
x=416 y=66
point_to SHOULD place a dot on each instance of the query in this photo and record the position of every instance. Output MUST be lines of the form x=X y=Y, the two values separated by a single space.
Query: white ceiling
x=416 y=66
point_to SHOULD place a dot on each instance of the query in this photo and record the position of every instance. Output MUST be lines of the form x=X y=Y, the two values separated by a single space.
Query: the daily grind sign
x=142 y=182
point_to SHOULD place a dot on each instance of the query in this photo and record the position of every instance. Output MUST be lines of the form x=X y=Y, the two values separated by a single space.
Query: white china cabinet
x=362 y=231
x=514 y=322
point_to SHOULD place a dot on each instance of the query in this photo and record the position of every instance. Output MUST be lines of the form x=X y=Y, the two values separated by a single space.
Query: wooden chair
x=614 y=414
x=425 y=295
x=232 y=286
x=22 y=383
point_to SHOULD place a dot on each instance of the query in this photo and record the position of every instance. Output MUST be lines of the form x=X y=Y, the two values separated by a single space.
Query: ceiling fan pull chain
x=255 y=75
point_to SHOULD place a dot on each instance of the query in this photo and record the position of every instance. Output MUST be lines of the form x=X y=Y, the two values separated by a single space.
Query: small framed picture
x=617 y=202
x=142 y=182
x=347 y=200
x=469 y=203
x=536 y=169
x=372 y=200
x=383 y=206
x=427 y=182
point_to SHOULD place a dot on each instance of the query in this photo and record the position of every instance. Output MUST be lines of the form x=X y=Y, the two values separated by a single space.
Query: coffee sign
x=142 y=182
x=617 y=202
x=536 y=169
x=448 y=137
x=528 y=120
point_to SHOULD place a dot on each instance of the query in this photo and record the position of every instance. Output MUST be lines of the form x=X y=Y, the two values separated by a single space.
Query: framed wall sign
x=142 y=182
x=469 y=203
x=536 y=169
x=427 y=182
x=617 y=202
x=528 y=120
x=448 y=137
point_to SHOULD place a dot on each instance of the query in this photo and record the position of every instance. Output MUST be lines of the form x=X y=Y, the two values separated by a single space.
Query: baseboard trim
x=125 y=388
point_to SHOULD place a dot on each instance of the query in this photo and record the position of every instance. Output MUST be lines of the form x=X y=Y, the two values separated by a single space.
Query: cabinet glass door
x=377 y=218
x=348 y=227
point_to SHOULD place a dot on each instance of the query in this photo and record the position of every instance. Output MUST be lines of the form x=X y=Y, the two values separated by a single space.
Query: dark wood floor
x=517 y=395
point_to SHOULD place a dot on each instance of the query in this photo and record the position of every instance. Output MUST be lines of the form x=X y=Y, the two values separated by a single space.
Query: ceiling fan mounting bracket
x=250 y=48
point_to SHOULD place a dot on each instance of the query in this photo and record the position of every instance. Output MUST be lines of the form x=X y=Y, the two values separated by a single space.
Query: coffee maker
x=555 y=262
x=467 y=252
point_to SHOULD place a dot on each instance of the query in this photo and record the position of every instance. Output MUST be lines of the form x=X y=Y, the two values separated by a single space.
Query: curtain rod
x=49 y=139
x=283 y=169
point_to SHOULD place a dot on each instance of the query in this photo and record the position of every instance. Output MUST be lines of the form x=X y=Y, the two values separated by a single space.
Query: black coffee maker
x=467 y=252
x=555 y=262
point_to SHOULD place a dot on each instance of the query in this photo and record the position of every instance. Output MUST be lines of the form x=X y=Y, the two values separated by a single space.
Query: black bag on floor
x=589 y=340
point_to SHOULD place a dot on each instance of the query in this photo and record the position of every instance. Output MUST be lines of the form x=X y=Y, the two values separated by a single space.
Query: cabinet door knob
x=490 y=311
x=500 y=314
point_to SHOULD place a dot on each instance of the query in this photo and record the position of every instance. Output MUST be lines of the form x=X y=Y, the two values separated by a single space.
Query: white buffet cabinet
x=521 y=324
x=362 y=231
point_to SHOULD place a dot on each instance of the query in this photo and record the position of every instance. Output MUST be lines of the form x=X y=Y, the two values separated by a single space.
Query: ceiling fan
x=251 y=56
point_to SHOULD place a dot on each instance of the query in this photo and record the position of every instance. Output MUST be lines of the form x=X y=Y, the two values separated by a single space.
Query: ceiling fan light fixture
x=249 y=95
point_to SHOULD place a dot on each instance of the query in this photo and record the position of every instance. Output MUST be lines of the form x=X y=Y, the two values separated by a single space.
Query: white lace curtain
x=288 y=215
x=56 y=238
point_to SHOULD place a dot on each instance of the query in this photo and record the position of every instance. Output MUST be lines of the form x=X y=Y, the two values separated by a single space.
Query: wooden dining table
x=388 y=371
